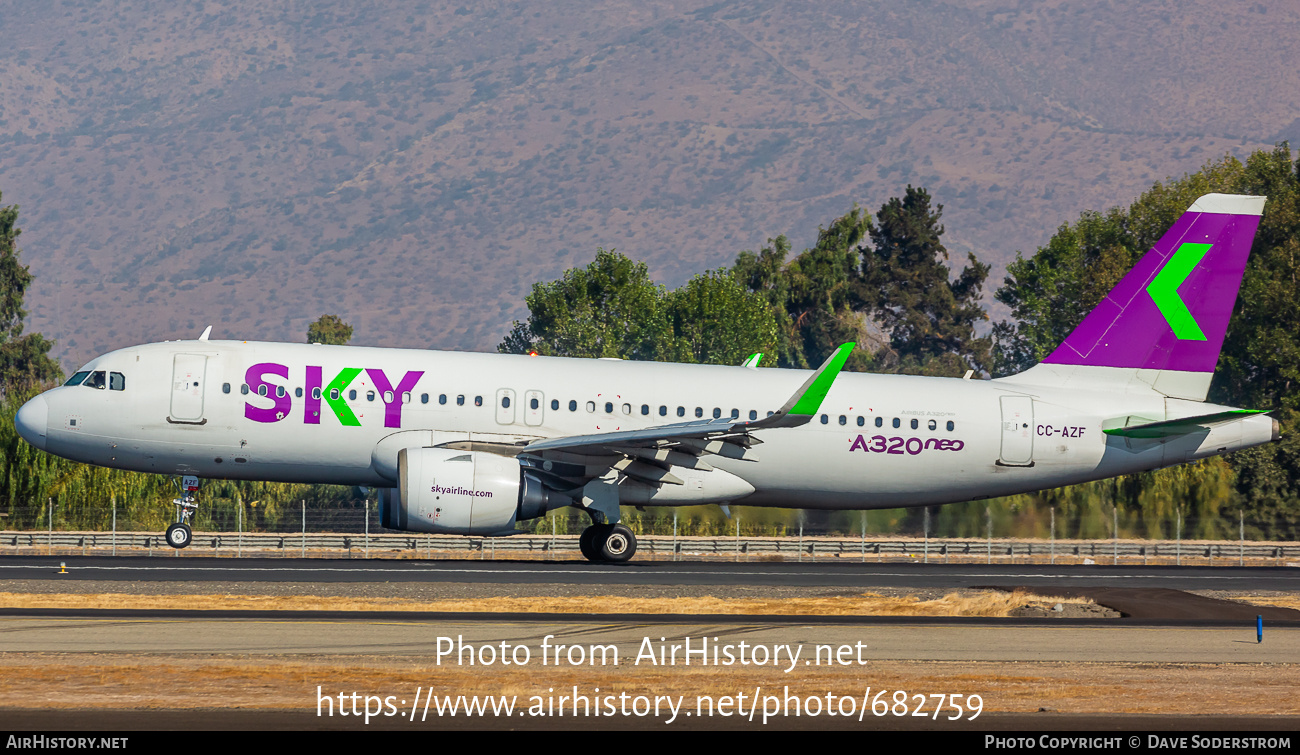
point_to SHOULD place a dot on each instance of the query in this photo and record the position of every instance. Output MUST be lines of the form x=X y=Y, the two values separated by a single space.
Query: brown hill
x=415 y=167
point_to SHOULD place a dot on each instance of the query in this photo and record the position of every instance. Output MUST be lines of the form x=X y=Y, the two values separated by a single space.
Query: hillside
x=415 y=167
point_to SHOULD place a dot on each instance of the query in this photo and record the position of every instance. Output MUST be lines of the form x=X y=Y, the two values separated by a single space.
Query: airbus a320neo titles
x=473 y=444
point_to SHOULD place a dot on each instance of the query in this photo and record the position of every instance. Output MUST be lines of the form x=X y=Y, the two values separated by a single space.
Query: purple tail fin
x=1171 y=311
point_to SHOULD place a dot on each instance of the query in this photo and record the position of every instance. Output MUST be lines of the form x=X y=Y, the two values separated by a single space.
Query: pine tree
x=24 y=359
x=930 y=319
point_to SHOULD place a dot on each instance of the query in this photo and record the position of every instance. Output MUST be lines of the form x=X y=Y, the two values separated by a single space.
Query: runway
x=243 y=668
x=989 y=640
x=849 y=574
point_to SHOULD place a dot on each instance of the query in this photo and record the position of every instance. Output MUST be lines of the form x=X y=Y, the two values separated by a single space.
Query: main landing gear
x=613 y=543
x=178 y=533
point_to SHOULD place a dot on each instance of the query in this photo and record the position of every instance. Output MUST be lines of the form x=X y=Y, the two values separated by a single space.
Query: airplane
x=474 y=444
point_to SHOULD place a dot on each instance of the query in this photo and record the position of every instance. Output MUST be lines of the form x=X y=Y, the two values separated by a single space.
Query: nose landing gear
x=178 y=533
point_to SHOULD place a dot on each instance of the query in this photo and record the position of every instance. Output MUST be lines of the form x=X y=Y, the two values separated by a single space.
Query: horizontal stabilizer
x=1171 y=427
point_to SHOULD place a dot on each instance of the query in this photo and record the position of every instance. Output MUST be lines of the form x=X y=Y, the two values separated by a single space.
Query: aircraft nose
x=32 y=420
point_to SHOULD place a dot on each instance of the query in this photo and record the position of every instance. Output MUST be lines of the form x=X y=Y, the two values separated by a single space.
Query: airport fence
x=354 y=532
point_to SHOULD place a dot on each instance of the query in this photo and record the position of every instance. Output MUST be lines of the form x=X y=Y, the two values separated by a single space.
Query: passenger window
x=645 y=409
x=334 y=394
x=297 y=392
x=77 y=378
x=533 y=403
x=96 y=380
x=716 y=412
x=932 y=424
x=460 y=400
x=591 y=406
x=261 y=389
x=861 y=420
x=753 y=414
x=424 y=398
x=915 y=424
x=573 y=405
x=442 y=399
x=880 y=421
x=225 y=387
x=478 y=401
x=279 y=391
x=315 y=393
x=388 y=397
x=352 y=395
x=627 y=408
x=825 y=419
x=663 y=411
x=681 y=411
x=699 y=411
x=735 y=413
x=897 y=422
x=950 y=426
x=555 y=404
x=505 y=402
x=609 y=407
x=370 y=395
x=844 y=420
x=116 y=381
x=406 y=397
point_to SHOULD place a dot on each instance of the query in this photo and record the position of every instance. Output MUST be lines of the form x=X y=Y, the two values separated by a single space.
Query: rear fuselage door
x=1017 y=431
x=187 y=387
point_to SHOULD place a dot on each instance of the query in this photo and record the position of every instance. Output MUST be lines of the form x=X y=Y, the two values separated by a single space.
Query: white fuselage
x=879 y=441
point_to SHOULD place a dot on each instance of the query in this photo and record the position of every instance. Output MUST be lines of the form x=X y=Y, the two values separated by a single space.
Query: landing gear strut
x=178 y=534
x=613 y=543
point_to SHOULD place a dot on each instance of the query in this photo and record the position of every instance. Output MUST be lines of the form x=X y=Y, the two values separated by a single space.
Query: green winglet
x=809 y=398
x=752 y=360
x=1171 y=427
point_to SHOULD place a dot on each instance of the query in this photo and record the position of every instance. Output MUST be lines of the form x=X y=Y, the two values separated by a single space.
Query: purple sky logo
x=317 y=390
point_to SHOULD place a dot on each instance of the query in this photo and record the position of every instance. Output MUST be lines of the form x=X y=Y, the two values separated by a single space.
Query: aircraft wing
x=648 y=455
x=798 y=410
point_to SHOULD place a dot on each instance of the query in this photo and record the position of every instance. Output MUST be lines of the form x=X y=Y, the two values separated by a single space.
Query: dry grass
x=1280 y=601
x=68 y=681
x=984 y=603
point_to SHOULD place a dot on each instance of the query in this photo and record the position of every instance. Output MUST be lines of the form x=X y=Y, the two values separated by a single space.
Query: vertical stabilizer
x=1164 y=322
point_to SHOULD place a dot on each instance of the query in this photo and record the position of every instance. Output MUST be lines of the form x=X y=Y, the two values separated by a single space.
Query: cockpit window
x=97 y=379
x=77 y=378
x=116 y=381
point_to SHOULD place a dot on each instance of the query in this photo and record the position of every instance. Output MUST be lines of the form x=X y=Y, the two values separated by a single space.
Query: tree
x=24 y=359
x=610 y=308
x=763 y=273
x=826 y=293
x=716 y=321
x=930 y=320
x=329 y=329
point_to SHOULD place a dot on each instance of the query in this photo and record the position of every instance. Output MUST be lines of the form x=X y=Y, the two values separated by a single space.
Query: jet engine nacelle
x=462 y=493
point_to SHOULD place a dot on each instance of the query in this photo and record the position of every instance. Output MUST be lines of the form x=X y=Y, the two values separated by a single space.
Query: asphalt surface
x=865 y=575
x=424 y=637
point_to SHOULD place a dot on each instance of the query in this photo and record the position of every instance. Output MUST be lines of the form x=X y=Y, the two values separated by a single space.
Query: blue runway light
x=1259 y=629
